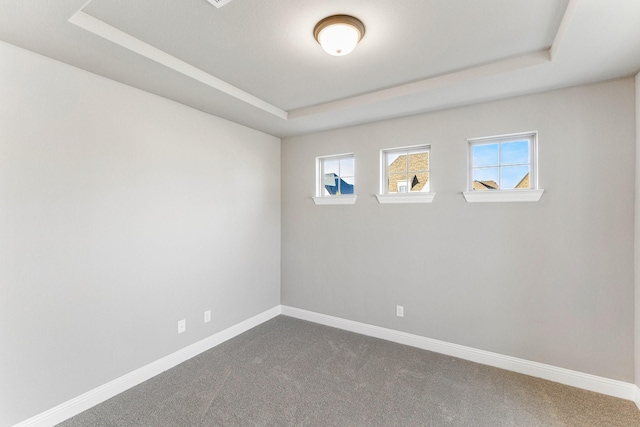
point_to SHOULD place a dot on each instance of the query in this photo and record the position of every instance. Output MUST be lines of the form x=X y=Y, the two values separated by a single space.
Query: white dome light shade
x=338 y=39
x=339 y=34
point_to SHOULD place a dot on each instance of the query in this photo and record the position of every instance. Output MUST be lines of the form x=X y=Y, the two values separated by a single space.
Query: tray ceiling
x=257 y=63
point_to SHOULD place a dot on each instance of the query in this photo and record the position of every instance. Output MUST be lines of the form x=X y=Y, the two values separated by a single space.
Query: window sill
x=335 y=200
x=502 y=196
x=405 y=198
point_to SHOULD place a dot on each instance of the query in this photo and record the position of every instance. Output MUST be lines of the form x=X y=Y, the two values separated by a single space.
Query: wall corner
x=636 y=255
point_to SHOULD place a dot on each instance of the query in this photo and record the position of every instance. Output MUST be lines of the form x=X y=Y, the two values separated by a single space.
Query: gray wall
x=120 y=213
x=551 y=282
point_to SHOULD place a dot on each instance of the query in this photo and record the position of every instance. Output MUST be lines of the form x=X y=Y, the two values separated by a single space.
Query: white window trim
x=342 y=199
x=348 y=199
x=520 y=195
x=503 y=196
x=409 y=197
x=415 y=197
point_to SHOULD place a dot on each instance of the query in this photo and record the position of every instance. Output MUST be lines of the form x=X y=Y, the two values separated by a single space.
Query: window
x=405 y=175
x=335 y=180
x=403 y=187
x=503 y=164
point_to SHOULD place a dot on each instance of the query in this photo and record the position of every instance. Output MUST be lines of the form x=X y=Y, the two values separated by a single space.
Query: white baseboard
x=581 y=380
x=100 y=394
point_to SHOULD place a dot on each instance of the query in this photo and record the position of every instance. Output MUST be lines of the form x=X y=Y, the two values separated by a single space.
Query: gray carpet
x=287 y=372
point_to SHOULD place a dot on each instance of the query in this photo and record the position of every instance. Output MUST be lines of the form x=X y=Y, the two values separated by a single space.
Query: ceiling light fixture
x=339 y=34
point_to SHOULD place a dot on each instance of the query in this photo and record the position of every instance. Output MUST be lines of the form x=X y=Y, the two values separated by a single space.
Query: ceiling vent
x=218 y=3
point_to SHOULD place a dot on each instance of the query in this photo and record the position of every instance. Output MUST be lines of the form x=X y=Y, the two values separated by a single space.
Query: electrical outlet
x=207 y=316
x=182 y=325
x=399 y=311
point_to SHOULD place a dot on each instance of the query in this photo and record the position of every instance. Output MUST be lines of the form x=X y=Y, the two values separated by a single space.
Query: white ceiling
x=256 y=62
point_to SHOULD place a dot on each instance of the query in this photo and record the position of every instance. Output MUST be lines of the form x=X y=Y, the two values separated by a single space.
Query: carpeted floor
x=288 y=372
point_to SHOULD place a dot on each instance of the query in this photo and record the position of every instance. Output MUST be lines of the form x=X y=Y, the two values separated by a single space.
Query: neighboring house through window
x=503 y=162
x=335 y=179
x=504 y=169
x=405 y=175
x=406 y=170
x=337 y=175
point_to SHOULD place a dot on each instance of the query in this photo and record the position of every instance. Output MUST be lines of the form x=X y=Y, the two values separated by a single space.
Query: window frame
x=333 y=199
x=384 y=196
x=531 y=194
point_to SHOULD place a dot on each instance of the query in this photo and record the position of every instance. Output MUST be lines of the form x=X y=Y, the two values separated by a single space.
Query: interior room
x=163 y=186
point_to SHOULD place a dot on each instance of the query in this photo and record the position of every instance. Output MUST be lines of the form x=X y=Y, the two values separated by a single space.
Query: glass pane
x=330 y=183
x=398 y=183
x=347 y=185
x=515 y=177
x=419 y=162
x=513 y=153
x=346 y=167
x=392 y=157
x=331 y=166
x=329 y=179
x=420 y=181
x=486 y=178
x=485 y=155
x=399 y=164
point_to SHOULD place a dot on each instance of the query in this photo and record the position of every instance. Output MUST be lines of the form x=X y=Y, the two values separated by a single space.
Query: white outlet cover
x=182 y=326
x=399 y=311
x=207 y=316
x=219 y=3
